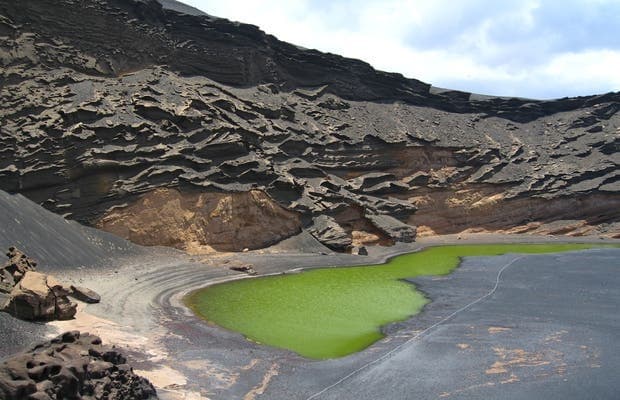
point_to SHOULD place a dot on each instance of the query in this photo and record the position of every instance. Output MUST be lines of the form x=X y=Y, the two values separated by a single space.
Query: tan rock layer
x=485 y=209
x=202 y=222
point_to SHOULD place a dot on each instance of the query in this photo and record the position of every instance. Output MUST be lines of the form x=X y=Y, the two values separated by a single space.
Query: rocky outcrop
x=33 y=296
x=72 y=366
x=39 y=297
x=327 y=231
x=394 y=228
x=96 y=120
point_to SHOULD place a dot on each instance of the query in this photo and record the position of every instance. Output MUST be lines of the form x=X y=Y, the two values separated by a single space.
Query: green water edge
x=331 y=312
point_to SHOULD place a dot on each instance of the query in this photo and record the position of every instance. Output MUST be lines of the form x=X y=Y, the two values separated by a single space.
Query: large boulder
x=72 y=366
x=30 y=295
x=39 y=297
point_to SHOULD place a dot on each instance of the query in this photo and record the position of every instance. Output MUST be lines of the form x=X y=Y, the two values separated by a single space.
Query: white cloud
x=583 y=71
x=528 y=48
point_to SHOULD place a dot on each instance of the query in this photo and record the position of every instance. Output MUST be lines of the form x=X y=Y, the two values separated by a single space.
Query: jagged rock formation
x=72 y=366
x=106 y=103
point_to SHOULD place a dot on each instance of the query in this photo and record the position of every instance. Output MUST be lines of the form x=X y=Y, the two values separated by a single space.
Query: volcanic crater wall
x=143 y=121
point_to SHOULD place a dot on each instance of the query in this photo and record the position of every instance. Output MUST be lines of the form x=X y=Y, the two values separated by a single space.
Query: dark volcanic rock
x=84 y=294
x=72 y=366
x=327 y=231
x=105 y=102
x=394 y=228
x=247 y=268
x=418 y=179
x=359 y=251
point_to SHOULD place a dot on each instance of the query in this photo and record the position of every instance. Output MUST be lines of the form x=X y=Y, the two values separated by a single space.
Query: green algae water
x=331 y=312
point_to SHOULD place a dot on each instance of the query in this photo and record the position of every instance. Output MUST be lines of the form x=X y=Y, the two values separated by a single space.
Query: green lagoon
x=331 y=312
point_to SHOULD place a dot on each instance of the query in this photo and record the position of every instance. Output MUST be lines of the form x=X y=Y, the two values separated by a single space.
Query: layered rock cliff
x=169 y=126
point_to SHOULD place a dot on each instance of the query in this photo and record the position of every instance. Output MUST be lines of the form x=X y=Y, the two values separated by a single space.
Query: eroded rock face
x=196 y=104
x=199 y=221
x=72 y=366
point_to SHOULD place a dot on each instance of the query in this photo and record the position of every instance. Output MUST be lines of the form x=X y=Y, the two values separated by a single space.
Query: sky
x=526 y=48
